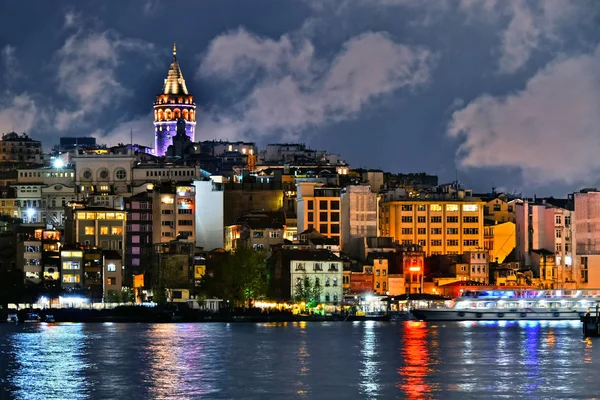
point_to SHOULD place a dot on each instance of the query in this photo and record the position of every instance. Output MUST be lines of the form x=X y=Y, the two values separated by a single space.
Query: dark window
x=335 y=205
x=323 y=216
x=335 y=228
x=311 y=205
x=323 y=204
x=310 y=217
x=335 y=217
x=323 y=229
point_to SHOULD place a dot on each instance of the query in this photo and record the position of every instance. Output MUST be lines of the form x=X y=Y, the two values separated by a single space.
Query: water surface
x=331 y=360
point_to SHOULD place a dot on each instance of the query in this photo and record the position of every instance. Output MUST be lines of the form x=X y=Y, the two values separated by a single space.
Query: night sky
x=502 y=93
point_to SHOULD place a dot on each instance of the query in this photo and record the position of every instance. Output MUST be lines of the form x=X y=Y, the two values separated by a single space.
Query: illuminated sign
x=414 y=269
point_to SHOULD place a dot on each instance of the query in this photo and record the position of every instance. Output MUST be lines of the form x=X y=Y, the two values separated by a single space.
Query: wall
x=209 y=215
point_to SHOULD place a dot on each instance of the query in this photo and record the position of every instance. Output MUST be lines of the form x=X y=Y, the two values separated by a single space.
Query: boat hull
x=468 y=315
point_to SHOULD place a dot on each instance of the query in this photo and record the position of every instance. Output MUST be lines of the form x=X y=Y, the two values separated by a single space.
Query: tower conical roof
x=175 y=84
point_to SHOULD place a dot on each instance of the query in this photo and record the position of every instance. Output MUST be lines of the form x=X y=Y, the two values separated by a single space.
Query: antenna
x=131 y=140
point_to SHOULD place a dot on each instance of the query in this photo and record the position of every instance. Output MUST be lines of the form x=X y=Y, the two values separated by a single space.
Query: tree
x=168 y=274
x=112 y=296
x=127 y=295
x=307 y=290
x=12 y=285
x=239 y=277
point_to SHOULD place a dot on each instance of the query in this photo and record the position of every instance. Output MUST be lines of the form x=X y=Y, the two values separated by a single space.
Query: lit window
x=116 y=230
x=435 y=207
x=470 y=207
x=451 y=207
x=111 y=267
x=89 y=230
x=104 y=230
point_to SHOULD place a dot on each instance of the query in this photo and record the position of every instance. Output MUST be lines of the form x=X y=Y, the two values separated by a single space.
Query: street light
x=58 y=163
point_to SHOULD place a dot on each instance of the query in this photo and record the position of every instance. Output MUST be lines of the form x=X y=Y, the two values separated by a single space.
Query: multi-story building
x=500 y=208
x=500 y=239
x=322 y=269
x=43 y=193
x=319 y=208
x=380 y=275
x=31 y=248
x=103 y=179
x=98 y=227
x=19 y=151
x=71 y=267
x=586 y=254
x=544 y=230
x=93 y=280
x=258 y=230
x=172 y=104
x=478 y=263
x=209 y=213
x=359 y=214
x=138 y=236
x=440 y=225
x=173 y=213
x=112 y=274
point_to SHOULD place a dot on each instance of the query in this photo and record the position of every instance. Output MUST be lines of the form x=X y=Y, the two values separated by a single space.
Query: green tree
x=127 y=295
x=307 y=290
x=240 y=277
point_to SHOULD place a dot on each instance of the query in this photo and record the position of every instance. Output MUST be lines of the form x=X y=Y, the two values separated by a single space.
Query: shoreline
x=137 y=315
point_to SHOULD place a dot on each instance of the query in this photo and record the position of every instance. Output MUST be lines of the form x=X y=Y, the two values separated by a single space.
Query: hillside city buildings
x=94 y=221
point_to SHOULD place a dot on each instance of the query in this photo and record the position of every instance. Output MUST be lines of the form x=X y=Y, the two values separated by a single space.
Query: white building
x=544 y=229
x=359 y=215
x=322 y=268
x=42 y=194
x=210 y=227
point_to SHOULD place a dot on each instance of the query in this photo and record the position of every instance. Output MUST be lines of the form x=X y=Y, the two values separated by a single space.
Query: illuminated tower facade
x=173 y=103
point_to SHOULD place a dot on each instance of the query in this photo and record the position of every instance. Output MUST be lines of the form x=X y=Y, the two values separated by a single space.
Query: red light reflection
x=416 y=361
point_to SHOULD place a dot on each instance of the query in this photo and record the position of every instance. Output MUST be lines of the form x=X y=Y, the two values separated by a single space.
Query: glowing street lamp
x=58 y=163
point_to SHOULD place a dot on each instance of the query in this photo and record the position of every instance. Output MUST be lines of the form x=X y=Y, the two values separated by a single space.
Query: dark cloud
x=478 y=86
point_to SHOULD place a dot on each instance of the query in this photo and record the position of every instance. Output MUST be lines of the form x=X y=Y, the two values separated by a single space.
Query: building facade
x=438 y=226
x=322 y=269
x=319 y=208
x=359 y=214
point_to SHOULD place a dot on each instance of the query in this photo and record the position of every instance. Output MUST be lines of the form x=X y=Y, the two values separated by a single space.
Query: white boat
x=515 y=305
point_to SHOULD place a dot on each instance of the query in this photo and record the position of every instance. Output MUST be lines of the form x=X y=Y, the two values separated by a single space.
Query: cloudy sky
x=502 y=93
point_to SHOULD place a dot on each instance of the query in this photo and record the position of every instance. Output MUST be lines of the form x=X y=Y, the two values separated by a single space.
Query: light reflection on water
x=369 y=363
x=417 y=361
x=408 y=360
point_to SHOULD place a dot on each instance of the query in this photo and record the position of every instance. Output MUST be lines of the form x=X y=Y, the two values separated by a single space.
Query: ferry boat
x=515 y=305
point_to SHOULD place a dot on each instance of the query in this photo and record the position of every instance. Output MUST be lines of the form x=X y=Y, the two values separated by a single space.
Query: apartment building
x=319 y=208
x=438 y=226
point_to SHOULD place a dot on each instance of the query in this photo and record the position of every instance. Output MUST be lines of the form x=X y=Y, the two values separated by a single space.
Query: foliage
x=11 y=286
x=127 y=295
x=168 y=274
x=308 y=291
x=112 y=296
x=240 y=277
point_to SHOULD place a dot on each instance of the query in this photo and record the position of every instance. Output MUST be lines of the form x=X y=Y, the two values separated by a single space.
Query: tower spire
x=174 y=49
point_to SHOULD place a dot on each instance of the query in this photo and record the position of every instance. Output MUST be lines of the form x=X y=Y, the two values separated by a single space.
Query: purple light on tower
x=173 y=103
